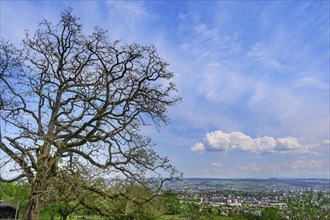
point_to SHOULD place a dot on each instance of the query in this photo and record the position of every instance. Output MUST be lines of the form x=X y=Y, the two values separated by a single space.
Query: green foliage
x=194 y=211
x=62 y=202
x=233 y=215
x=191 y=211
x=15 y=193
x=306 y=205
x=136 y=204
x=267 y=214
x=171 y=203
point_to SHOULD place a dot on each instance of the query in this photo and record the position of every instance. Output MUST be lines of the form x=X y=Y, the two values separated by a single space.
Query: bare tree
x=67 y=95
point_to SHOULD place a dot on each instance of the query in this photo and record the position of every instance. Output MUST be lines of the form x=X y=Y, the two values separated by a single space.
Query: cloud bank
x=237 y=141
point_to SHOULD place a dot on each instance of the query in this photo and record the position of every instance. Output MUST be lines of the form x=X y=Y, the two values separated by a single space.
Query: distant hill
x=252 y=184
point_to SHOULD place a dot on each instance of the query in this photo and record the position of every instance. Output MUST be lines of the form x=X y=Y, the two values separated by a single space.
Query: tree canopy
x=74 y=100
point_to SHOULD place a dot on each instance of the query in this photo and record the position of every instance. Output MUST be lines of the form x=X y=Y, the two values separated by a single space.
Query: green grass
x=46 y=216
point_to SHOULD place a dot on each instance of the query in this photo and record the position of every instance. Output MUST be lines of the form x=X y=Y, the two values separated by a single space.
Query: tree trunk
x=33 y=208
x=40 y=184
x=36 y=201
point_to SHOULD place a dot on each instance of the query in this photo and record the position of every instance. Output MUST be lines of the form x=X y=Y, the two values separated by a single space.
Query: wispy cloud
x=326 y=142
x=266 y=74
x=216 y=166
x=129 y=21
x=284 y=168
x=311 y=164
x=250 y=168
x=310 y=82
x=129 y=10
x=15 y=20
x=259 y=69
x=258 y=54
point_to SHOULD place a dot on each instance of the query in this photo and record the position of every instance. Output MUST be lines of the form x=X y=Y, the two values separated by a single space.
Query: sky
x=253 y=77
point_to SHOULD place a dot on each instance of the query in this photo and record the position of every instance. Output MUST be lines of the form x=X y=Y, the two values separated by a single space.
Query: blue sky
x=254 y=78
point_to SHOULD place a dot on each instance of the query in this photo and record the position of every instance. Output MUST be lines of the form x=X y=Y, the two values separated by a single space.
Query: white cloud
x=216 y=166
x=16 y=17
x=284 y=168
x=287 y=143
x=130 y=9
x=218 y=140
x=130 y=21
x=312 y=164
x=223 y=82
x=197 y=36
x=250 y=168
x=198 y=147
x=325 y=142
x=261 y=55
x=222 y=141
x=215 y=64
x=291 y=110
x=311 y=82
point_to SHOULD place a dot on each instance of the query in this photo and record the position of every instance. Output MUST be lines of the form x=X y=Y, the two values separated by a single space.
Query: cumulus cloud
x=198 y=147
x=287 y=143
x=222 y=141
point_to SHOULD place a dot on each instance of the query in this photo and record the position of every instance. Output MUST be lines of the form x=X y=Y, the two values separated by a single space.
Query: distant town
x=249 y=195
